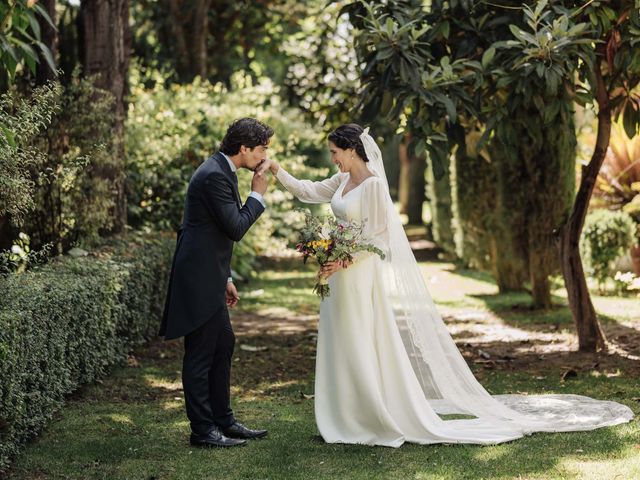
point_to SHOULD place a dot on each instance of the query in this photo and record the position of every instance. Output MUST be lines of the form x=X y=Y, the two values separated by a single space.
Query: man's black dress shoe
x=214 y=439
x=237 y=430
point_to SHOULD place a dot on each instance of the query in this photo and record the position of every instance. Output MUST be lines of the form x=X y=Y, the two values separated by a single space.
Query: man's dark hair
x=348 y=136
x=245 y=131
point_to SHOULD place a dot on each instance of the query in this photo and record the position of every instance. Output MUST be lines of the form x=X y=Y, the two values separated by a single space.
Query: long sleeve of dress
x=309 y=191
x=374 y=207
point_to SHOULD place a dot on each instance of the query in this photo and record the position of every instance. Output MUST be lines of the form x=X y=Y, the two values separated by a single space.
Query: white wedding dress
x=386 y=366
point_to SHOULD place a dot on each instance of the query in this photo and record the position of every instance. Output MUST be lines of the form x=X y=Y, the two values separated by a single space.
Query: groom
x=201 y=287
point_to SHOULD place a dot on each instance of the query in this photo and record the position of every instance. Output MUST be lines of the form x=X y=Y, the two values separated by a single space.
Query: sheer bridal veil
x=445 y=378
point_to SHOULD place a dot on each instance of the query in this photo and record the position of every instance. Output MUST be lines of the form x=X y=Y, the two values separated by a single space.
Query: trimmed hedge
x=64 y=324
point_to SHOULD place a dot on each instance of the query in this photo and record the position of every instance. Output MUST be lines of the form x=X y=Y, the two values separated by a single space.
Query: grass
x=132 y=424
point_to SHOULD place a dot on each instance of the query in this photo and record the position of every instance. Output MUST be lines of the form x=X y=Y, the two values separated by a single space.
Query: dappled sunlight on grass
x=490 y=453
x=175 y=404
x=284 y=291
x=448 y=287
x=120 y=418
x=155 y=382
x=626 y=468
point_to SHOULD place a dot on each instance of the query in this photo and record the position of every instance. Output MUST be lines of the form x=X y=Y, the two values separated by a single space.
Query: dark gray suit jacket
x=214 y=218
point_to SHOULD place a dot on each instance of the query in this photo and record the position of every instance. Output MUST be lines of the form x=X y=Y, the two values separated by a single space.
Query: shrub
x=21 y=120
x=74 y=203
x=64 y=324
x=606 y=236
x=52 y=141
x=171 y=130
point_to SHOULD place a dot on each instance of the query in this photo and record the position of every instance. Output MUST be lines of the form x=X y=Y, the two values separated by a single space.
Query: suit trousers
x=206 y=370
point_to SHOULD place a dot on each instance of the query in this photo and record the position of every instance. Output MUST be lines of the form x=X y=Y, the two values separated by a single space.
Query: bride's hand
x=330 y=268
x=268 y=164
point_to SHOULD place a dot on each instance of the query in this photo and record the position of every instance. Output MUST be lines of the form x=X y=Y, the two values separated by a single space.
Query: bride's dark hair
x=348 y=136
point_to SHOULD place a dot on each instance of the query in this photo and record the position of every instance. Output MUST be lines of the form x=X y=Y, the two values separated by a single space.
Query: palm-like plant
x=618 y=184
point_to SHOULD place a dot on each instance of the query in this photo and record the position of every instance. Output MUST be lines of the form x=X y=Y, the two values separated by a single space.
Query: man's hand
x=260 y=182
x=232 y=295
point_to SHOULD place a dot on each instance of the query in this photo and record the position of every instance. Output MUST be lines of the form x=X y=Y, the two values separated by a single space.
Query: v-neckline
x=343 y=195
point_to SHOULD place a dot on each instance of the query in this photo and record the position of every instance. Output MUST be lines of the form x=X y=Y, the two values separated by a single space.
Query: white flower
x=325 y=232
x=624 y=277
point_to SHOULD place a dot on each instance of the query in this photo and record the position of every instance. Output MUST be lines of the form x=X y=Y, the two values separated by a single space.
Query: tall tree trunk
x=510 y=233
x=590 y=335
x=49 y=36
x=441 y=209
x=190 y=27
x=540 y=285
x=200 y=35
x=412 y=182
x=178 y=21
x=6 y=237
x=474 y=205
x=403 y=177
x=107 y=43
x=551 y=171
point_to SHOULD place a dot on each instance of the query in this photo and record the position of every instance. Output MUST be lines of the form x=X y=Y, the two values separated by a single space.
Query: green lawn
x=132 y=424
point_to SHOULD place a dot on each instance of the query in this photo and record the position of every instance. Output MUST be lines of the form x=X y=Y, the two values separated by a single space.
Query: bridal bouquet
x=328 y=240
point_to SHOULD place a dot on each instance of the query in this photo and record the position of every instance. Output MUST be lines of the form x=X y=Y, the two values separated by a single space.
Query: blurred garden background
x=510 y=137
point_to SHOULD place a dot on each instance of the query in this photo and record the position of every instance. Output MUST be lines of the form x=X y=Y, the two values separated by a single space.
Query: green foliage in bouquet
x=328 y=240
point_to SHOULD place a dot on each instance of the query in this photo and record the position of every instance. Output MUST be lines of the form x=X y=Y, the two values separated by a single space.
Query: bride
x=386 y=366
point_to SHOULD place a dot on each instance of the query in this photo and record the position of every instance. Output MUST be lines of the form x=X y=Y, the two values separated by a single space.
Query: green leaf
x=487 y=56
x=35 y=26
x=540 y=7
x=10 y=64
x=9 y=136
x=630 y=121
x=387 y=102
x=451 y=108
x=384 y=53
x=47 y=55
x=389 y=26
x=45 y=15
x=445 y=29
x=405 y=70
x=577 y=29
x=522 y=36
x=31 y=63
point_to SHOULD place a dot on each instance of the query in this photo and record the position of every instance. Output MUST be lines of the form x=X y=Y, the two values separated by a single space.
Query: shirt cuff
x=258 y=197
x=230 y=279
